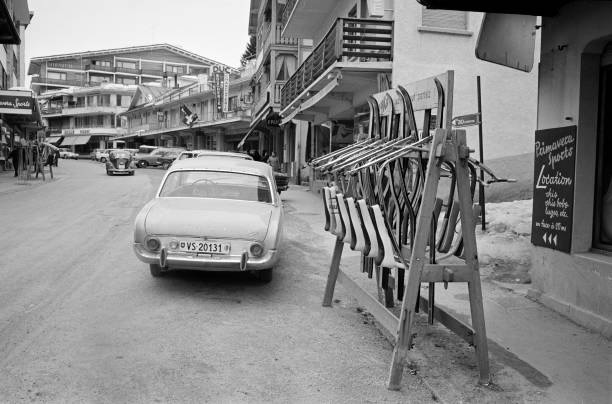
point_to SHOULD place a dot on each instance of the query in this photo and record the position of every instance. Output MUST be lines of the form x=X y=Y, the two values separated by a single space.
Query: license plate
x=121 y=166
x=205 y=247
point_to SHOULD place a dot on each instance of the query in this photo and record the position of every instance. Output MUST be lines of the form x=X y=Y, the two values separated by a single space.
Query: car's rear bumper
x=206 y=263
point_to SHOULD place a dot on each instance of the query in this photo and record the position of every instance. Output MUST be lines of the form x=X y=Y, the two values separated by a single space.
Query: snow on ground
x=505 y=247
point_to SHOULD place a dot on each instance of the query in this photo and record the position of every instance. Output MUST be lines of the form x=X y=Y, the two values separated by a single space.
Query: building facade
x=572 y=205
x=278 y=56
x=85 y=118
x=17 y=124
x=363 y=47
x=84 y=93
x=158 y=119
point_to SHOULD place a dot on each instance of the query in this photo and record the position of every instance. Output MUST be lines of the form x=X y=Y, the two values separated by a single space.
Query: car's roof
x=215 y=163
x=214 y=153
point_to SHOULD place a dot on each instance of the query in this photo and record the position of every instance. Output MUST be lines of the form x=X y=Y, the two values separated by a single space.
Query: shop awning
x=53 y=139
x=81 y=140
x=245 y=138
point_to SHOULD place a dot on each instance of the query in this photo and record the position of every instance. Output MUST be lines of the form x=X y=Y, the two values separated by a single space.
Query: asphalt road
x=82 y=320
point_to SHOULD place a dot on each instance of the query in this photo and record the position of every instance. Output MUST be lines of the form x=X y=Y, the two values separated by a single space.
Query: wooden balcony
x=349 y=40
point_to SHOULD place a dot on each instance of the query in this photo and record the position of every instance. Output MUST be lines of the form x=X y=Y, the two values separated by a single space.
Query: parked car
x=120 y=162
x=234 y=219
x=93 y=153
x=167 y=158
x=281 y=179
x=102 y=155
x=68 y=154
x=153 y=158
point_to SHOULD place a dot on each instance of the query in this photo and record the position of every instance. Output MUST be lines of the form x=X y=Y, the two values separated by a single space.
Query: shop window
x=445 y=19
x=602 y=226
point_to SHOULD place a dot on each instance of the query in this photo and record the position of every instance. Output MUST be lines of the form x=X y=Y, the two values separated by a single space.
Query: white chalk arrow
x=555 y=239
x=544 y=237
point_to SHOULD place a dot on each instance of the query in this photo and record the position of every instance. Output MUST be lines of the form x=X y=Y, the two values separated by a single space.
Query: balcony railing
x=348 y=40
x=152 y=72
x=154 y=127
x=51 y=110
x=61 y=65
x=129 y=70
x=100 y=68
x=46 y=81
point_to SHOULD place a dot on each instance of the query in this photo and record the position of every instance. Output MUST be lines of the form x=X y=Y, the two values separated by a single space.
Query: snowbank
x=506 y=246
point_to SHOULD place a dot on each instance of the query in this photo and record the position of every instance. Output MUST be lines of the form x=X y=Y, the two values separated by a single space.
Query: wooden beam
x=384 y=317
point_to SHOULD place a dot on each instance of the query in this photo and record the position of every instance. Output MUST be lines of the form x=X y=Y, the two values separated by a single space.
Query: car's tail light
x=256 y=250
x=153 y=244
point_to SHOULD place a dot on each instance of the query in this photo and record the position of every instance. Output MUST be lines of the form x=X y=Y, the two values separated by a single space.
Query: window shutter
x=445 y=19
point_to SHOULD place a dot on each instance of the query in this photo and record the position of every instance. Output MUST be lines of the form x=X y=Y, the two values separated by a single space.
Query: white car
x=212 y=214
x=67 y=154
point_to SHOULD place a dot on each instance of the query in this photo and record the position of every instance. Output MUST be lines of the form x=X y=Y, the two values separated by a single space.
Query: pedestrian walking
x=265 y=156
x=273 y=161
x=14 y=156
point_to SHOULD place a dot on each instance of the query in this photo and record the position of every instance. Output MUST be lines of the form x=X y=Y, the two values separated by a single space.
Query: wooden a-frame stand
x=447 y=146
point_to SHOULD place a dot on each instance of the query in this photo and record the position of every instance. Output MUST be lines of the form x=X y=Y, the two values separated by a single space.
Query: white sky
x=214 y=29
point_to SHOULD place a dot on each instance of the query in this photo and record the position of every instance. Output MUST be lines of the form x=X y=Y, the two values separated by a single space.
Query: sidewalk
x=536 y=354
x=10 y=184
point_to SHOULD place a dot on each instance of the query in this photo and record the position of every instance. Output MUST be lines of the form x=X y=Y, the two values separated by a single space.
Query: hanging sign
x=16 y=102
x=553 y=189
x=466 y=120
x=226 y=90
x=273 y=119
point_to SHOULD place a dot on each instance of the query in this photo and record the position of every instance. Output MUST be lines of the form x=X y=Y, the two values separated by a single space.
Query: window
x=56 y=75
x=80 y=102
x=218 y=185
x=98 y=79
x=445 y=19
x=233 y=103
x=126 y=80
x=126 y=65
x=104 y=100
x=101 y=63
x=176 y=69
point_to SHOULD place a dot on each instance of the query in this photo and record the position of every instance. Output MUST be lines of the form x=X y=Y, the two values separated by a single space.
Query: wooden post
x=471 y=257
x=332 y=277
x=417 y=261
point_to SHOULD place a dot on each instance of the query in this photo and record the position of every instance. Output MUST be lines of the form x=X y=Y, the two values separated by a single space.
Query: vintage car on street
x=215 y=214
x=67 y=154
x=120 y=162
x=154 y=157
x=166 y=158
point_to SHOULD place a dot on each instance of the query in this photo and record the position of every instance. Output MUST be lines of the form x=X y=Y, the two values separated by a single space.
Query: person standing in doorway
x=273 y=161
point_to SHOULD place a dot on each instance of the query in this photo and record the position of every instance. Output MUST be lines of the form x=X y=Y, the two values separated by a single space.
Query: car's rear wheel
x=156 y=270
x=103 y=160
x=108 y=172
x=142 y=164
x=265 y=275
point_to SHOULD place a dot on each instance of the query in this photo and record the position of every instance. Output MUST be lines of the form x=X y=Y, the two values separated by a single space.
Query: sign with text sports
x=553 y=188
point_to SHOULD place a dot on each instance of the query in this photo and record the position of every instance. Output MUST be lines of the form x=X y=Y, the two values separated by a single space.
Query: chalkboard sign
x=553 y=188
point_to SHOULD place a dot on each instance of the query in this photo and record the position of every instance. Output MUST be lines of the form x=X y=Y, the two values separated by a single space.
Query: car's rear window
x=120 y=155
x=218 y=185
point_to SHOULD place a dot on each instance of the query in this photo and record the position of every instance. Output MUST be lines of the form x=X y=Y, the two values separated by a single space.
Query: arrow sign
x=466 y=120
x=544 y=237
x=555 y=239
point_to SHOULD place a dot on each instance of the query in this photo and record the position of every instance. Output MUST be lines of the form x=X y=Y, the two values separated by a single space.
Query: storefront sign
x=466 y=120
x=16 y=102
x=274 y=119
x=553 y=190
x=226 y=91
